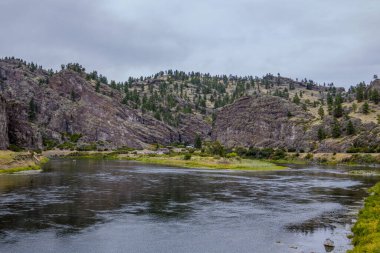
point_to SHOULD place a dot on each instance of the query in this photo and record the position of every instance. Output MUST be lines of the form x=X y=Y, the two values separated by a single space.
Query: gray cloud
x=328 y=41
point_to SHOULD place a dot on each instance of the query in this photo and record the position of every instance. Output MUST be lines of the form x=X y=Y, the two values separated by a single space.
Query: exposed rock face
x=190 y=126
x=4 y=142
x=375 y=84
x=262 y=122
x=38 y=107
x=66 y=103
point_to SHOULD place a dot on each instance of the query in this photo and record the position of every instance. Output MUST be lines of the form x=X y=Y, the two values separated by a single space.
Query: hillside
x=73 y=109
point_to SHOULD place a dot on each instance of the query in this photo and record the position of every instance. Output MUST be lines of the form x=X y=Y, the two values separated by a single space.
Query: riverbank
x=366 y=231
x=11 y=162
x=234 y=161
x=207 y=162
x=180 y=160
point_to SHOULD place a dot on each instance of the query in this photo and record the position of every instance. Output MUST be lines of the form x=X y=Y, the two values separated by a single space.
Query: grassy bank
x=208 y=162
x=367 y=229
x=180 y=160
x=11 y=162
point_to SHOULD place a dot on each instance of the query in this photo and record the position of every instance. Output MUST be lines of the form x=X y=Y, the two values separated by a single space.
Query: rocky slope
x=262 y=122
x=74 y=109
x=43 y=108
x=4 y=142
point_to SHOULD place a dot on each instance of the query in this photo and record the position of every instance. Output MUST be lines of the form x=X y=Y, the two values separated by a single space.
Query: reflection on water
x=120 y=206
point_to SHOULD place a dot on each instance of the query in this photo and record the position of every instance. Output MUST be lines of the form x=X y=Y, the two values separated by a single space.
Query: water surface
x=122 y=206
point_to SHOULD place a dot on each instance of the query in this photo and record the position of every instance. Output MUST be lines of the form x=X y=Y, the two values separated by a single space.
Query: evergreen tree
x=97 y=87
x=338 y=110
x=365 y=108
x=354 y=107
x=336 y=132
x=32 y=113
x=321 y=134
x=296 y=99
x=375 y=96
x=321 y=112
x=73 y=95
x=360 y=92
x=350 y=128
x=198 y=142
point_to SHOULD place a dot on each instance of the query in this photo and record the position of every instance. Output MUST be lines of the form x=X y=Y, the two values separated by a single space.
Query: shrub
x=15 y=148
x=232 y=155
x=187 y=157
x=278 y=154
x=309 y=156
x=88 y=147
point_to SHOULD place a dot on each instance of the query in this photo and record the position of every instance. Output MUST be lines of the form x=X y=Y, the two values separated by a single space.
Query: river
x=124 y=206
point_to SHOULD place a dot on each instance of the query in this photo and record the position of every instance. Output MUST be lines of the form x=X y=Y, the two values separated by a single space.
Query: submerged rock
x=329 y=245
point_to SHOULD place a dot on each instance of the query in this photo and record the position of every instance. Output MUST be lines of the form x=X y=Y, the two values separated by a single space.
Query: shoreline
x=366 y=230
x=13 y=162
x=329 y=159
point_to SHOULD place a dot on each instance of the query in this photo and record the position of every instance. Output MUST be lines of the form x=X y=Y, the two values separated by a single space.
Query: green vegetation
x=19 y=169
x=93 y=155
x=11 y=162
x=210 y=162
x=32 y=112
x=365 y=108
x=366 y=231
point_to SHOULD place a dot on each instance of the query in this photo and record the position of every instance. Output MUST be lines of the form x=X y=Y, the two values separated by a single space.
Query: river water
x=122 y=206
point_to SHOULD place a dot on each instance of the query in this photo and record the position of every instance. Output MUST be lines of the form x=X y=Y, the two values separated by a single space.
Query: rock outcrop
x=263 y=121
x=42 y=107
x=4 y=142
x=71 y=108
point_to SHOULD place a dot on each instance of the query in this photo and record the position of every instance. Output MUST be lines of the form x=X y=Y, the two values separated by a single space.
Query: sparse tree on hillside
x=97 y=87
x=365 y=108
x=296 y=99
x=350 y=128
x=198 y=142
x=321 y=134
x=354 y=107
x=375 y=96
x=32 y=113
x=321 y=112
x=336 y=132
x=360 y=92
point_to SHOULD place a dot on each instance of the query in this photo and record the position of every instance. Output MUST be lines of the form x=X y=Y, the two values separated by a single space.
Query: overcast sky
x=324 y=40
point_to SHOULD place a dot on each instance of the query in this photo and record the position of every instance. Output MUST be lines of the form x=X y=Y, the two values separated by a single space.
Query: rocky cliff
x=73 y=109
x=263 y=121
x=51 y=108
x=4 y=142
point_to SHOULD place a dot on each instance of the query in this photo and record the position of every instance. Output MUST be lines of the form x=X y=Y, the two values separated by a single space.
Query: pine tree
x=198 y=142
x=365 y=108
x=296 y=99
x=375 y=96
x=321 y=134
x=97 y=87
x=32 y=113
x=338 y=111
x=321 y=112
x=336 y=132
x=350 y=128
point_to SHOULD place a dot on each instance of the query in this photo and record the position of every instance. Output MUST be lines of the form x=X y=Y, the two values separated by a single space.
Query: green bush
x=232 y=155
x=187 y=157
x=88 y=147
x=75 y=137
x=66 y=145
x=49 y=143
x=309 y=156
x=15 y=148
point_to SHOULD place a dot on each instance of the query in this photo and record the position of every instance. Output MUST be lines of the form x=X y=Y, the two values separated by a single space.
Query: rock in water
x=329 y=245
